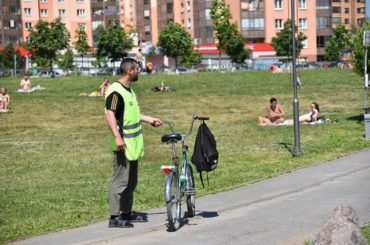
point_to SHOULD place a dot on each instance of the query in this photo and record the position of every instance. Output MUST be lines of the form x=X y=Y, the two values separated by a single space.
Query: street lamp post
x=297 y=145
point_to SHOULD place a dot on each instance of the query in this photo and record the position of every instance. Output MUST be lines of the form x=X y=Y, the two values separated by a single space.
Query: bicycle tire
x=174 y=204
x=190 y=199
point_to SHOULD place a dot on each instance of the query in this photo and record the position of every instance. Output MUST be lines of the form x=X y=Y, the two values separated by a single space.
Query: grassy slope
x=55 y=160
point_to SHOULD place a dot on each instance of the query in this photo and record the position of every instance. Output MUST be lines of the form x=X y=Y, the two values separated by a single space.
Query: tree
x=65 y=61
x=81 y=44
x=112 y=43
x=192 y=58
x=339 y=42
x=7 y=57
x=47 y=39
x=175 y=41
x=229 y=38
x=283 y=40
x=358 y=48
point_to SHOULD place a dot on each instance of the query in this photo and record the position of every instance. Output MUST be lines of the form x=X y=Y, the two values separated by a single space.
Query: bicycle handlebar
x=194 y=117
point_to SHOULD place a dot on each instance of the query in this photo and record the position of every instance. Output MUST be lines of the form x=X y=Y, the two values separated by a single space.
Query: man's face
x=134 y=72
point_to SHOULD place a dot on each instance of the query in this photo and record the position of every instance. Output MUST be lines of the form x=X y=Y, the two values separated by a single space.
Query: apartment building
x=10 y=22
x=74 y=13
x=257 y=20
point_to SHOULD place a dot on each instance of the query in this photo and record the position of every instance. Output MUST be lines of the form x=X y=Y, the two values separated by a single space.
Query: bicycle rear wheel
x=190 y=193
x=174 y=203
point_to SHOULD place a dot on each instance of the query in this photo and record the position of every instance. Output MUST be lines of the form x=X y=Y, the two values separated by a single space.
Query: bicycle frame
x=180 y=181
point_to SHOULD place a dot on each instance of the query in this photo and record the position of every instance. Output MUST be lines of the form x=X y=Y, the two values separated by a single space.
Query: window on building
x=361 y=21
x=14 y=10
x=61 y=12
x=250 y=5
x=360 y=10
x=336 y=20
x=208 y=14
x=305 y=43
x=346 y=10
x=336 y=10
x=323 y=4
x=147 y=14
x=278 y=4
x=278 y=23
x=80 y=1
x=346 y=1
x=302 y=23
x=302 y=4
x=169 y=8
x=323 y=22
x=321 y=41
x=188 y=6
x=253 y=24
x=81 y=12
x=360 y=1
x=189 y=23
x=43 y=12
x=12 y=24
x=28 y=25
x=146 y=1
x=346 y=21
x=27 y=11
x=209 y=32
x=43 y=1
x=96 y=24
x=336 y=1
x=60 y=1
x=147 y=29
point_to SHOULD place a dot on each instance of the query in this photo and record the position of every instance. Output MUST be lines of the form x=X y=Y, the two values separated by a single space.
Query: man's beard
x=135 y=78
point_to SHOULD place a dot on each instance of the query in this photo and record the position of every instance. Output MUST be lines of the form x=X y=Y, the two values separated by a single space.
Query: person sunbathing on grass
x=274 y=114
x=4 y=100
x=311 y=117
x=26 y=86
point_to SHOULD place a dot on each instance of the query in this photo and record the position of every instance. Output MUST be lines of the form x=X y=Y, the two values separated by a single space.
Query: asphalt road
x=288 y=209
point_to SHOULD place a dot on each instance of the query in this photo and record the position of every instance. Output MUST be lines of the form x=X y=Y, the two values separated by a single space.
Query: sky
x=367 y=8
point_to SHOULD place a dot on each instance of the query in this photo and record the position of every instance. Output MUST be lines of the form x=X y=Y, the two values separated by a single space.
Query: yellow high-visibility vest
x=132 y=132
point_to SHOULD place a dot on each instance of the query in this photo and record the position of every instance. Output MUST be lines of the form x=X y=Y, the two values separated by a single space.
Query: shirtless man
x=274 y=114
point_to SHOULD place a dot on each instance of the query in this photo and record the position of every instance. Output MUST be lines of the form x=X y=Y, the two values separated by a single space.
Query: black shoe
x=120 y=223
x=135 y=217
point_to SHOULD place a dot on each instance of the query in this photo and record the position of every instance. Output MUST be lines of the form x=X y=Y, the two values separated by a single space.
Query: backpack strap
x=201 y=178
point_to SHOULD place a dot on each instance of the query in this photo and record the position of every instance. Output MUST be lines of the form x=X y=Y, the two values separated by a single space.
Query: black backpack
x=205 y=155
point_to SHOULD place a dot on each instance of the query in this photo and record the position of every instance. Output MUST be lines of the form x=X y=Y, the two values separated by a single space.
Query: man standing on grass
x=124 y=120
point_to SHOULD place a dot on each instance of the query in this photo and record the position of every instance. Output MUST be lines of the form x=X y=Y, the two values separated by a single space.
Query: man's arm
x=112 y=123
x=155 y=122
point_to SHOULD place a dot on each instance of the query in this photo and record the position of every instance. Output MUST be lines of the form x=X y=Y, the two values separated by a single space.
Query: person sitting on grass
x=4 y=100
x=274 y=114
x=312 y=116
x=26 y=86
x=104 y=86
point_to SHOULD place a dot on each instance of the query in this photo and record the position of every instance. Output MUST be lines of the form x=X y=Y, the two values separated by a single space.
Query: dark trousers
x=124 y=181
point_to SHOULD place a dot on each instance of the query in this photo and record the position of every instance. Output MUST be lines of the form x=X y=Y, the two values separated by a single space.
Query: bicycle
x=180 y=179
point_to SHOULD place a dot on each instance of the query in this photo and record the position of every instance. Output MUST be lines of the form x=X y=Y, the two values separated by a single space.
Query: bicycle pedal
x=190 y=191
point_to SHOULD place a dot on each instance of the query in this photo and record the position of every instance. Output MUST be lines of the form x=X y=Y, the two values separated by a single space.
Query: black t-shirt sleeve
x=114 y=102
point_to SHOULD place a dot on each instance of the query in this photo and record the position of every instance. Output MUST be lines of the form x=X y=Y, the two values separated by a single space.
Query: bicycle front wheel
x=174 y=203
x=190 y=193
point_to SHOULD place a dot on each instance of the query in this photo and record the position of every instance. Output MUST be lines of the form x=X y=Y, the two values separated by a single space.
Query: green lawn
x=366 y=233
x=55 y=159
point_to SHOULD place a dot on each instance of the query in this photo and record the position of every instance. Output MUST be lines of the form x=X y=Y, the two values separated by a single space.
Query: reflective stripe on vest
x=132 y=132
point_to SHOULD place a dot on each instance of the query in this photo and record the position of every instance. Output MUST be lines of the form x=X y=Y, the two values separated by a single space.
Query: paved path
x=287 y=209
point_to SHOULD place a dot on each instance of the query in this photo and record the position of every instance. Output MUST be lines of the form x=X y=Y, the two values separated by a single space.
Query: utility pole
x=297 y=144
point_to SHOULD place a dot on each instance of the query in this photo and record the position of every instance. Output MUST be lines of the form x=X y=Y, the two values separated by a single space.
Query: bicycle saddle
x=169 y=138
